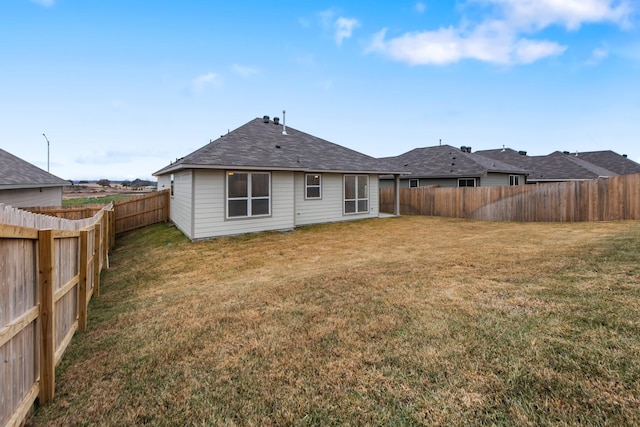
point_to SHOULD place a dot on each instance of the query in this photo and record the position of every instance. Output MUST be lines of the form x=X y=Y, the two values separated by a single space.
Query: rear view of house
x=265 y=176
x=23 y=184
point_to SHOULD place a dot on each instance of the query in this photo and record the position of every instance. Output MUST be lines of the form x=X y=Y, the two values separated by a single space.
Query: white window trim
x=417 y=181
x=172 y=184
x=248 y=198
x=475 y=182
x=356 y=200
x=514 y=178
x=306 y=186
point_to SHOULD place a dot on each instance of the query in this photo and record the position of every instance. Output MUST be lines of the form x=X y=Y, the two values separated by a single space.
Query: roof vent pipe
x=276 y=120
x=284 y=123
x=265 y=119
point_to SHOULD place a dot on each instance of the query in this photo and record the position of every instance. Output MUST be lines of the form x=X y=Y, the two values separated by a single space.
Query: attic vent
x=276 y=120
x=522 y=153
x=565 y=152
x=465 y=149
x=624 y=155
x=265 y=119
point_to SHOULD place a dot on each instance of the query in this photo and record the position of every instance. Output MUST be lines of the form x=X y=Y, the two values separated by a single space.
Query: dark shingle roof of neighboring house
x=612 y=161
x=445 y=161
x=16 y=173
x=262 y=145
x=556 y=166
x=507 y=155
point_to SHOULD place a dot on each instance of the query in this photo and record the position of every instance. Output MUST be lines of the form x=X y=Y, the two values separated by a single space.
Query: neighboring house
x=263 y=176
x=555 y=167
x=612 y=161
x=25 y=185
x=447 y=166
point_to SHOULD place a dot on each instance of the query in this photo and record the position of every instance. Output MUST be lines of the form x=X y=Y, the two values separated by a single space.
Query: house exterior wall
x=209 y=206
x=329 y=208
x=499 y=179
x=164 y=182
x=181 y=210
x=489 y=180
x=32 y=197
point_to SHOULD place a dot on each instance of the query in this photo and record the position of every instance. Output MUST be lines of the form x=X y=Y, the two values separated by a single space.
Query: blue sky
x=121 y=88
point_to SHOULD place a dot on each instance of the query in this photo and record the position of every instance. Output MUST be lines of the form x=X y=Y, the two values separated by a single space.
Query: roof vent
x=265 y=119
x=566 y=152
x=276 y=120
x=624 y=155
x=522 y=153
x=465 y=149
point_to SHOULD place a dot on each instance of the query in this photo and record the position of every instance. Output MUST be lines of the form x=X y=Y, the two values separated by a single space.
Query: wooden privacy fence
x=49 y=270
x=603 y=199
x=130 y=214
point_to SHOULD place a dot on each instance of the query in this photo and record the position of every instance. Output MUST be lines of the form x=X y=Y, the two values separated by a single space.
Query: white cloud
x=505 y=36
x=326 y=18
x=538 y=14
x=244 y=71
x=45 y=3
x=528 y=51
x=450 y=45
x=341 y=27
x=598 y=55
x=199 y=83
x=344 y=28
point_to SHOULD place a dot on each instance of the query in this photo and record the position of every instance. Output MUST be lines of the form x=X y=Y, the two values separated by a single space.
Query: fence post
x=97 y=259
x=47 y=321
x=84 y=267
x=112 y=228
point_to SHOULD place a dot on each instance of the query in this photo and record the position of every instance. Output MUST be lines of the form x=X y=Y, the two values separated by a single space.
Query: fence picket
x=40 y=280
x=603 y=199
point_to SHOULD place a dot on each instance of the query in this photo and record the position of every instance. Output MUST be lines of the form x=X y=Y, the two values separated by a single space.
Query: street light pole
x=45 y=137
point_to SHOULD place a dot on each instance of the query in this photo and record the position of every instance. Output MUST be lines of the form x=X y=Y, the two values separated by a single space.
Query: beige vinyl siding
x=209 y=207
x=164 y=182
x=494 y=180
x=182 y=201
x=330 y=207
x=32 y=197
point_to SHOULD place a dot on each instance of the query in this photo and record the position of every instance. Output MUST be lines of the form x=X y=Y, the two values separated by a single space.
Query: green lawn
x=103 y=200
x=398 y=321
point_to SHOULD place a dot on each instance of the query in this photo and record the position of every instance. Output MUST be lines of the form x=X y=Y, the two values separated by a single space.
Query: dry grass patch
x=410 y=320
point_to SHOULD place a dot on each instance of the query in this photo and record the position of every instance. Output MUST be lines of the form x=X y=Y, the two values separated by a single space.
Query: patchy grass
x=93 y=200
x=399 y=321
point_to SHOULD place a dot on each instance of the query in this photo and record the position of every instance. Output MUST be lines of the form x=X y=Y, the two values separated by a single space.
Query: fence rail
x=603 y=199
x=49 y=270
x=130 y=214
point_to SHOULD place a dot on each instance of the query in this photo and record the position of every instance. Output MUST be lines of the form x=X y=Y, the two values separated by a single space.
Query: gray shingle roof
x=611 y=161
x=556 y=166
x=17 y=173
x=445 y=161
x=257 y=144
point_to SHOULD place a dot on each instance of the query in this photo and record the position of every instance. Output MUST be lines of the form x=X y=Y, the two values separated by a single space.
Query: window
x=313 y=186
x=172 y=184
x=466 y=182
x=248 y=194
x=514 y=180
x=413 y=183
x=356 y=194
